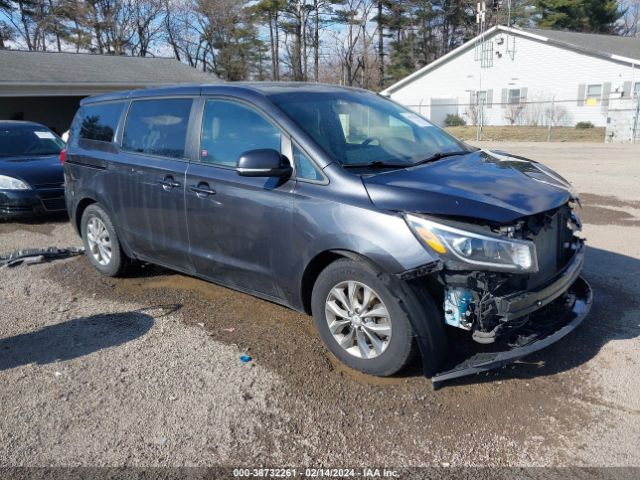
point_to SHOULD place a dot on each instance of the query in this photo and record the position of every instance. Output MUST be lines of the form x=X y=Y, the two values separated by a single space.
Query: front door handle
x=202 y=190
x=168 y=184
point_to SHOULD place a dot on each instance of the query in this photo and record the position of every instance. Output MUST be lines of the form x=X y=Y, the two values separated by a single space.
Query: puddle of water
x=206 y=290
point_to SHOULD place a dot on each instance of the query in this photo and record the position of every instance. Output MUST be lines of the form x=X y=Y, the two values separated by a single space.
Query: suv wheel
x=101 y=243
x=364 y=320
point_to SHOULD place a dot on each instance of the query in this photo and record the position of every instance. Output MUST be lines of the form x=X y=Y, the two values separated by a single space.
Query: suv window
x=99 y=121
x=157 y=127
x=231 y=128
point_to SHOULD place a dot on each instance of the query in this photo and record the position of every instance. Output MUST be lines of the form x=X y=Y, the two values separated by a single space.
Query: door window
x=231 y=128
x=158 y=127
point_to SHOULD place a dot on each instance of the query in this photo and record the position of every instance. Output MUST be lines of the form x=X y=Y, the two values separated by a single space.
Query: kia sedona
x=31 y=177
x=401 y=241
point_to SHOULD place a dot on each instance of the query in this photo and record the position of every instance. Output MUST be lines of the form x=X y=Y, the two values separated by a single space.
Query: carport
x=46 y=87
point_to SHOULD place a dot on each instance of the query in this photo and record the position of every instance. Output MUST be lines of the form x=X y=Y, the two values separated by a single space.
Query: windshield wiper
x=377 y=164
x=440 y=155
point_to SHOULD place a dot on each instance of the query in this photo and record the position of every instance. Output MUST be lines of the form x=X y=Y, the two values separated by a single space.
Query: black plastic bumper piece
x=545 y=327
x=38 y=255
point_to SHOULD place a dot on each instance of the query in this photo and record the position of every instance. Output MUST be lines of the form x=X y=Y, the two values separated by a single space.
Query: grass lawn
x=530 y=134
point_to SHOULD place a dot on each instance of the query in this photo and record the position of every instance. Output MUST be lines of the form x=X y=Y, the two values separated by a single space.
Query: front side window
x=514 y=96
x=594 y=94
x=230 y=129
x=18 y=140
x=157 y=127
x=98 y=121
x=305 y=168
x=359 y=128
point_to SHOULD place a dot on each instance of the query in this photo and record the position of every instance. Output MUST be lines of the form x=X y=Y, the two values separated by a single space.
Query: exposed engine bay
x=479 y=301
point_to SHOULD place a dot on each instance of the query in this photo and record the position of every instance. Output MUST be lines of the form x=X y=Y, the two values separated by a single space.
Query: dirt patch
x=529 y=134
x=607 y=201
x=467 y=421
x=609 y=210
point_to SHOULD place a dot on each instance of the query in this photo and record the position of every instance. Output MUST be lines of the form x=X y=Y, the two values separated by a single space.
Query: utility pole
x=481 y=21
x=551 y=116
x=636 y=121
x=380 y=45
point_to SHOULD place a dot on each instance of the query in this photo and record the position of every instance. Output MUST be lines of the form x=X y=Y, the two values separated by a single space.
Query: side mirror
x=264 y=162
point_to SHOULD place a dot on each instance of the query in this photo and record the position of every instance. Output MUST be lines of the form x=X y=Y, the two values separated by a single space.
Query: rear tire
x=383 y=326
x=101 y=243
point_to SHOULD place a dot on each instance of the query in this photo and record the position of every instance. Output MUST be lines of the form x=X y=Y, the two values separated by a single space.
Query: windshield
x=17 y=140
x=361 y=128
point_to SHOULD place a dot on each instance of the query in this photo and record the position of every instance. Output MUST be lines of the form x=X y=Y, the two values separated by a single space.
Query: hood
x=486 y=185
x=38 y=170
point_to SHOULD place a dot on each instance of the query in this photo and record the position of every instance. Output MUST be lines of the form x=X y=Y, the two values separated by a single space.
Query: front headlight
x=10 y=183
x=487 y=251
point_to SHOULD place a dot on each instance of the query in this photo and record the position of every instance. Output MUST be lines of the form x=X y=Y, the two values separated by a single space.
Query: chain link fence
x=620 y=116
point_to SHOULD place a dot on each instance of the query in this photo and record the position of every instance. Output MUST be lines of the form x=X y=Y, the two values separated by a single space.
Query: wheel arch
x=86 y=202
x=318 y=263
x=79 y=210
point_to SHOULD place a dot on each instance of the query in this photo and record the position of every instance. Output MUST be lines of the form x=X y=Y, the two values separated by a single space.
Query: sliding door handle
x=168 y=184
x=202 y=190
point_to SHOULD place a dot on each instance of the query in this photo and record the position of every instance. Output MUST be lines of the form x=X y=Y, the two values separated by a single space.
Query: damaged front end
x=514 y=288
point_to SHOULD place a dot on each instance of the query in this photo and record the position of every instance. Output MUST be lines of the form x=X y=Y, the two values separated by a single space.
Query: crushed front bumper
x=523 y=303
x=559 y=308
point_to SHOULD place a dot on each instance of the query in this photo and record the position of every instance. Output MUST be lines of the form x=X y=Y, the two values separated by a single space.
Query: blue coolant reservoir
x=456 y=303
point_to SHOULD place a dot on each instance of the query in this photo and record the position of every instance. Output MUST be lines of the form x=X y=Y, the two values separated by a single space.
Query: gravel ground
x=145 y=370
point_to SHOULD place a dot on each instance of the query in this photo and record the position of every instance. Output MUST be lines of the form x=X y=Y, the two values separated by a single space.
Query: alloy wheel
x=99 y=241
x=358 y=319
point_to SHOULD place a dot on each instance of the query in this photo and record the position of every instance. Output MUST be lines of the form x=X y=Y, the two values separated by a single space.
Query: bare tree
x=630 y=22
x=353 y=48
x=184 y=31
x=514 y=113
x=146 y=15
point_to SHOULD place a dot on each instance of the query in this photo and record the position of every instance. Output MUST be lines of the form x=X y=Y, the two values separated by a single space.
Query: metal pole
x=551 y=115
x=634 y=137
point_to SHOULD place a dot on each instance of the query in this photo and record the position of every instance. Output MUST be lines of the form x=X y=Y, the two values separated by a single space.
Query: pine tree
x=591 y=16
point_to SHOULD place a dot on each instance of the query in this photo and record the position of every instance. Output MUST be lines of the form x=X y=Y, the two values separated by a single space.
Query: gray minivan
x=396 y=237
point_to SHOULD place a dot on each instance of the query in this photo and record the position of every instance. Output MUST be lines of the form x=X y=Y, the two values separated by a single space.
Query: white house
x=526 y=77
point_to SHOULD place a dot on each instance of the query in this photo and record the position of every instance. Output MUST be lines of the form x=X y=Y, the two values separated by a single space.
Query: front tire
x=362 y=316
x=101 y=243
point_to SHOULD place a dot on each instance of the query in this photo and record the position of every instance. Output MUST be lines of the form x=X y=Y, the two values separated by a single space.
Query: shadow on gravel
x=73 y=338
x=611 y=318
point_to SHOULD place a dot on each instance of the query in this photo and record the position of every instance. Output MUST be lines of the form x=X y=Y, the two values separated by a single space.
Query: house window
x=514 y=96
x=636 y=90
x=594 y=94
x=481 y=97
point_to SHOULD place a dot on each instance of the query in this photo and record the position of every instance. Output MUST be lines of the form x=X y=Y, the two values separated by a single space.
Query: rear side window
x=98 y=121
x=157 y=127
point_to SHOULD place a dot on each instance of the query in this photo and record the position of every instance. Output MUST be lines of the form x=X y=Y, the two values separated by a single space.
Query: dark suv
x=337 y=202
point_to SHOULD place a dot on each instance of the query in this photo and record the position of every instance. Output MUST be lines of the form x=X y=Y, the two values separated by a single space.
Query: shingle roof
x=603 y=44
x=624 y=49
x=19 y=67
